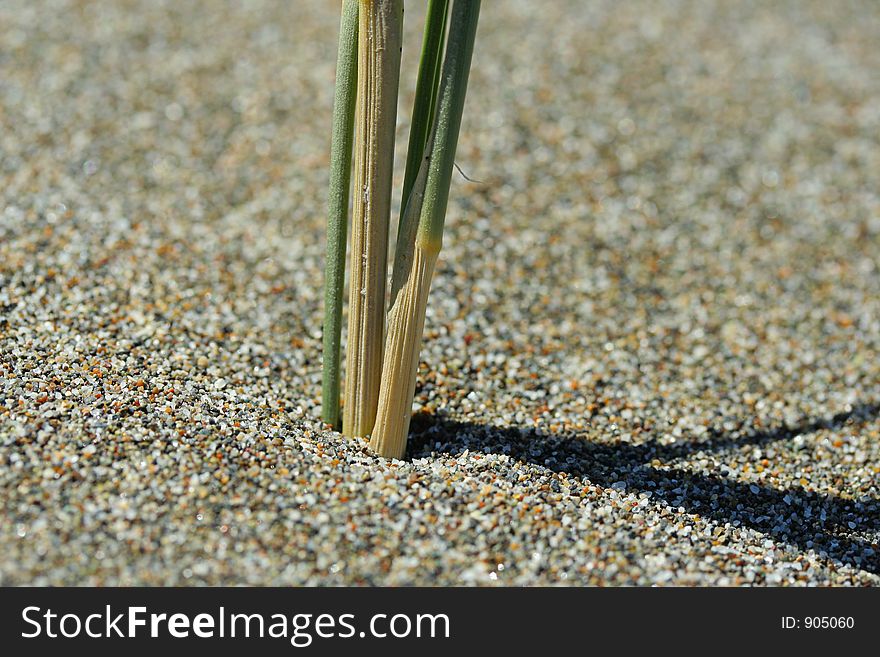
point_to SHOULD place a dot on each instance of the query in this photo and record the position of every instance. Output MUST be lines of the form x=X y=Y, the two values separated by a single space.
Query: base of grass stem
x=406 y=321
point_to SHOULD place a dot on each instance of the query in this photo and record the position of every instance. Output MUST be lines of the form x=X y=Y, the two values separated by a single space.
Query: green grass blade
x=438 y=66
x=337 y=207
x=426 y=94
x=450 y=105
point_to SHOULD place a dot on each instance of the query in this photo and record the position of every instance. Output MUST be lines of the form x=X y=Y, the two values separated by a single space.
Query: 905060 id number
x=818 y=623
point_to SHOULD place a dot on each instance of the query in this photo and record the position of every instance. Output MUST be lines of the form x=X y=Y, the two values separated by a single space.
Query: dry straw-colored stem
x=379 y=44
x=410 y=284
x=406 y=322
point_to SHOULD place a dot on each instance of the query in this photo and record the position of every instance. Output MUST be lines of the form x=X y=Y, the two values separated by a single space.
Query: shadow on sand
x=843 y=530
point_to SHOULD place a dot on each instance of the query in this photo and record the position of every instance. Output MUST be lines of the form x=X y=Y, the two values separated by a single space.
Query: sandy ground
x=652 y=349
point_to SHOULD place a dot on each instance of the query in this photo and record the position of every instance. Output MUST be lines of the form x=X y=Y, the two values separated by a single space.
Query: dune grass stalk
x=378 y=65
x=337 y=207
x=425 y=97
x=427 y=203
